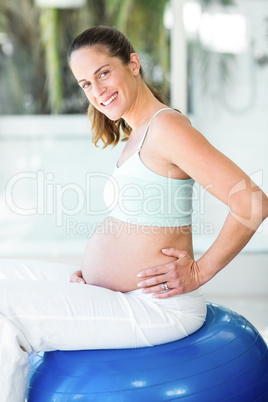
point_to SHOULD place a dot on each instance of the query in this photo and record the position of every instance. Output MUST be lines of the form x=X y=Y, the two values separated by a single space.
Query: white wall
x=52 y=178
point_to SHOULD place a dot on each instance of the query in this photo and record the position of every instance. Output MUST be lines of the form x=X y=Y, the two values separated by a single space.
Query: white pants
x=40 y=310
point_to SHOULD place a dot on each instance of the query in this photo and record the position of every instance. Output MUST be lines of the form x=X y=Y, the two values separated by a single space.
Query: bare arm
x=186 y=148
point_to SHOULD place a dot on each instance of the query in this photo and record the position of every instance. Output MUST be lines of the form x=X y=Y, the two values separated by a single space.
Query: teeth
x=109 y=100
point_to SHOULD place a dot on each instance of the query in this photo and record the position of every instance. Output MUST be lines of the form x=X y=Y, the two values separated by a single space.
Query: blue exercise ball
x=226 y=359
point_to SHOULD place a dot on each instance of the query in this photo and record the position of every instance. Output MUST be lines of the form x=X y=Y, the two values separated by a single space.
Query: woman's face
x=109 y=85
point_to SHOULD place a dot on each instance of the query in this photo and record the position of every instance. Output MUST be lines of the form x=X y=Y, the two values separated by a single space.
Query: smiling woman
x=114 y=45
x=102 y=81
x=114 y=90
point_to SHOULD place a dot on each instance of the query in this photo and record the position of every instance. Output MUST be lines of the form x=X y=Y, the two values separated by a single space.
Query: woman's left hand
x=178 y=277
x=77 y=277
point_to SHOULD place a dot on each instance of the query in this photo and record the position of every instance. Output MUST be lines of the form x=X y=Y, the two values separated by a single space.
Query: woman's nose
x=98 y=89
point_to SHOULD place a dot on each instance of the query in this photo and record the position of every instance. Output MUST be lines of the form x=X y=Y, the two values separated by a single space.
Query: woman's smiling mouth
x=109 y=100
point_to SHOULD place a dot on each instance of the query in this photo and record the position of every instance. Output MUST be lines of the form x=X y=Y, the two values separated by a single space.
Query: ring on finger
x=164 y=286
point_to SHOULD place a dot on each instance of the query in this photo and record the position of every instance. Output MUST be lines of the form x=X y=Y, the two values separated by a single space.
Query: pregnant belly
x=117 y=251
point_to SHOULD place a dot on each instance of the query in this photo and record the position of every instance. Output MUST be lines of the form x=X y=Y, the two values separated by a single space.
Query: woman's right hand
x=77 y=277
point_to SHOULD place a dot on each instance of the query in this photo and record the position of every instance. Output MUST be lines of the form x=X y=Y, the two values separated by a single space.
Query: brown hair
x=119 y=46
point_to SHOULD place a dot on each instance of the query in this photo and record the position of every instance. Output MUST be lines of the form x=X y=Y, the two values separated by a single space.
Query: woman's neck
x=144 y=106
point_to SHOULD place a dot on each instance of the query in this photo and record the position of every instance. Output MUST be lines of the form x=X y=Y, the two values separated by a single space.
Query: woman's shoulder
x=175 y=138
x=179 y=117
x=171 y=122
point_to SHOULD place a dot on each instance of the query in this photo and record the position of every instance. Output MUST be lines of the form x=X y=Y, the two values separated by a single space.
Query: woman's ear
x=135 y=63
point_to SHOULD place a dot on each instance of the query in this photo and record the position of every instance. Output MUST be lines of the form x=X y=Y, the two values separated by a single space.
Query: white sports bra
x=137 y=195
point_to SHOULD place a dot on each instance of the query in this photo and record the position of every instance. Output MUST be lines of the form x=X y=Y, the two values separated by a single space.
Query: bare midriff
x=118 y=251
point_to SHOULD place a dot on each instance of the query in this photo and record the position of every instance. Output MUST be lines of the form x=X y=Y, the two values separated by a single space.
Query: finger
x=153 y=289
x=178 y=287
x=79 y=279
x=152 y=282
x=76 y=277
x=157 y=270
x=174 y=252
x=175 y=291
x=168 y=293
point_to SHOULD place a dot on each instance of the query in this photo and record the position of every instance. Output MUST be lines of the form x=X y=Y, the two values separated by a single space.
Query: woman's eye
x=103 y=74
x=86 y=85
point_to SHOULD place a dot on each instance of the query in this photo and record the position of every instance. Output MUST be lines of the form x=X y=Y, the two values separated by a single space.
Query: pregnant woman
x=139 y=280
